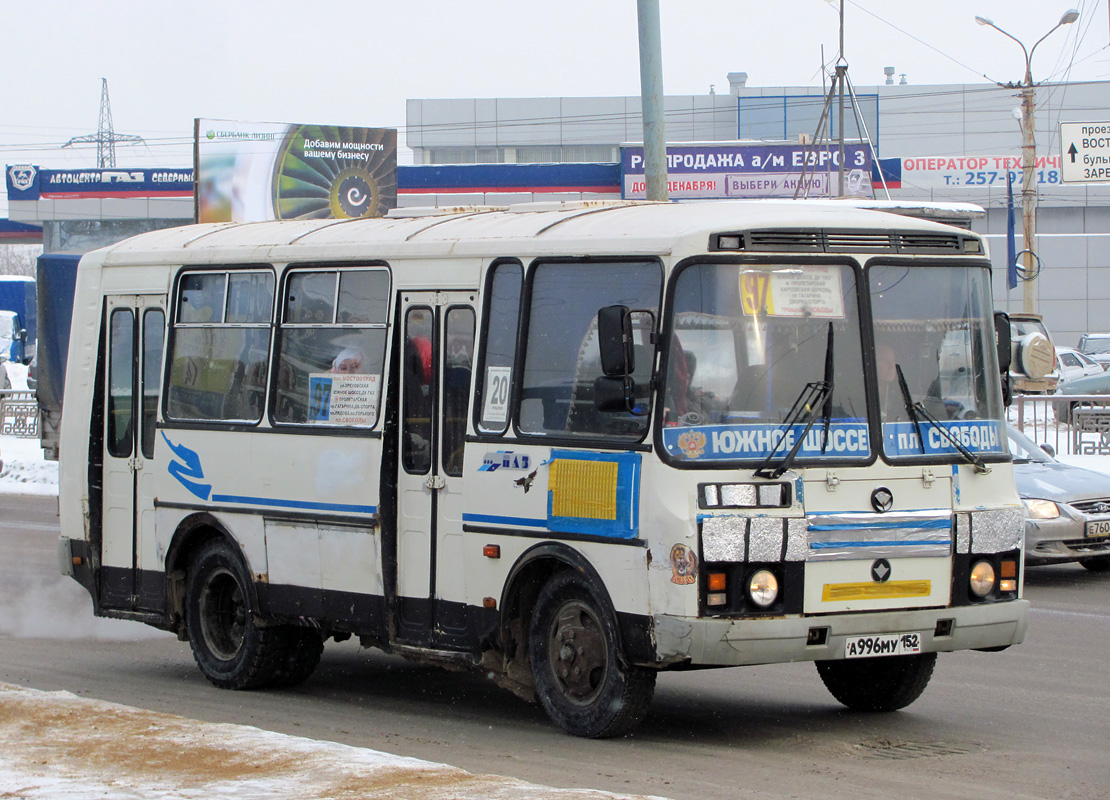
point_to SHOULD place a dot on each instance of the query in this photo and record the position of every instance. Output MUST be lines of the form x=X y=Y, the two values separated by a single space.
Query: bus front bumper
x=725 y=642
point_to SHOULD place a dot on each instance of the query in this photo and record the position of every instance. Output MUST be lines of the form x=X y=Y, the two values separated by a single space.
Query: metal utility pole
x=1028 y=159
x=651 y=98
x=104 y=137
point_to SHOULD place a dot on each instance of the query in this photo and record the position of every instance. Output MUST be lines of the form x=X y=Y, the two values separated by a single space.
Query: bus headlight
x=763 y=588
x=982 y=578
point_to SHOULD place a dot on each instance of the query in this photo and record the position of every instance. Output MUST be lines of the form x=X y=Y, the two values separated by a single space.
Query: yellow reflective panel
x=834 y=592
x=586 y=489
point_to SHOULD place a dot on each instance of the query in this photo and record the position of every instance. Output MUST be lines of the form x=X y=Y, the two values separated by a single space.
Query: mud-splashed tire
x=878 y=684
x=230 y=649
x=579 y=676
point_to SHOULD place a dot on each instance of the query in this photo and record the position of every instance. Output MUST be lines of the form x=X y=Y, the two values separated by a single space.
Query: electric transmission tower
x=104 y=137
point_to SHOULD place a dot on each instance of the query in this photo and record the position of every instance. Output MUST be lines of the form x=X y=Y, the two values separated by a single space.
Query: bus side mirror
x=1002 y=342
x=614 y=339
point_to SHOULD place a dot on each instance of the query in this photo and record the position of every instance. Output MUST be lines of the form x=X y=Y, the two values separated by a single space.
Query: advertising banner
x=27 y=182
x=252 y=171
x=714 y=171
x=976 y=172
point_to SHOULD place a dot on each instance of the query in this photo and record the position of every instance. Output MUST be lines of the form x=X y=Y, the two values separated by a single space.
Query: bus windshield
x=751 y=342
x=933 y=325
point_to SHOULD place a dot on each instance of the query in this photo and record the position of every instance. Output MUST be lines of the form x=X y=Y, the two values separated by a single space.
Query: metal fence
x=19 y=414
x=1072 y=424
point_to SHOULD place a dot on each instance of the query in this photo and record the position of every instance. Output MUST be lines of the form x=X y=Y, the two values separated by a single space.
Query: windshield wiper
x=827 y=411
x=916 y=410
x=807 y=406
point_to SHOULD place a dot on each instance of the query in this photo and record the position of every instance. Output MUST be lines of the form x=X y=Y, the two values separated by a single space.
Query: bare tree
x=19 y=259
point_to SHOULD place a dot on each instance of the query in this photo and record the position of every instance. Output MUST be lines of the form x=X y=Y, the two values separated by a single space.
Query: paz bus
x=570 y=445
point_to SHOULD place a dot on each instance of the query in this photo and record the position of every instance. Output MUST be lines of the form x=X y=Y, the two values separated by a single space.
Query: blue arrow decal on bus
x=189 y=469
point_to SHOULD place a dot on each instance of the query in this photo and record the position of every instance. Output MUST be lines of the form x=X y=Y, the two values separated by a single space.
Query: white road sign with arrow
x=1085 y=152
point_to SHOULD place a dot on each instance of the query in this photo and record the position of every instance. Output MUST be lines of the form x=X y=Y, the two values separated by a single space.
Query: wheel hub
x=578 y=651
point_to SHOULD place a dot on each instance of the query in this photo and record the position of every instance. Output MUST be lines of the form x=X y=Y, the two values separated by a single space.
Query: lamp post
x=1028 y=152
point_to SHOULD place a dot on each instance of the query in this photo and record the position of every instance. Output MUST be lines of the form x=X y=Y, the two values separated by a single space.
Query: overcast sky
x=356 y=62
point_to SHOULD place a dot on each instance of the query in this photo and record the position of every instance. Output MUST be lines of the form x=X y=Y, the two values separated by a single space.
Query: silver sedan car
x=1067 y=508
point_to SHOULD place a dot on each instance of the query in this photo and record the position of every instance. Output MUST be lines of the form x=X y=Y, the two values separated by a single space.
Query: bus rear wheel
x=887 y=683
x=230 y=648
x=579 y=676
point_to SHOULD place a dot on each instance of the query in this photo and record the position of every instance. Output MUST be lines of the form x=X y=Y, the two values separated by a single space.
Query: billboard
x=705 y=171
x=252 y=171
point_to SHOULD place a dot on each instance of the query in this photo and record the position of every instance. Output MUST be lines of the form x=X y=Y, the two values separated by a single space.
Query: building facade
x=942 y=143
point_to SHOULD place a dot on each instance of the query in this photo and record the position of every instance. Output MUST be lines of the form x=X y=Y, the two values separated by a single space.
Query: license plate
x=1100 y=528
x=889 y=644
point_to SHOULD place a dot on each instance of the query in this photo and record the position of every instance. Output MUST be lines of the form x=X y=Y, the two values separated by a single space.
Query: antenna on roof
x=104 y=137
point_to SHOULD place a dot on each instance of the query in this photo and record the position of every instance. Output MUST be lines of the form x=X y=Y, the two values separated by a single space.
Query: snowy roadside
x=56 y=745
x=24 y=469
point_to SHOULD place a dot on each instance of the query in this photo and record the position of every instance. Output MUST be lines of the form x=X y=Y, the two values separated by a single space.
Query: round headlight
x=982 y=578
x=763 y=588
x=1042 y=509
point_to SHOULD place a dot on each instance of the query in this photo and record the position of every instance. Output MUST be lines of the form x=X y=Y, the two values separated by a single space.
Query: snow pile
x=57 y=745
x=24 y=470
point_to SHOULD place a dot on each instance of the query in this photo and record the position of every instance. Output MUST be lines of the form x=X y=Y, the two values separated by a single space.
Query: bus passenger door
x=436 y=363
x=134 y=334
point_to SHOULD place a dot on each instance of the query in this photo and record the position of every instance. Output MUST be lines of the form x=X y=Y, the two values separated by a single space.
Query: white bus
x=571 y=445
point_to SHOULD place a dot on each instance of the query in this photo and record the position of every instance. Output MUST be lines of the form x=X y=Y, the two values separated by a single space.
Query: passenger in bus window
x=349 y=360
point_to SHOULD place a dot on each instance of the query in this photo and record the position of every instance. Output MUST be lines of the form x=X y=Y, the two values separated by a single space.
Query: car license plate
x=889 y=644
x=1100 y=528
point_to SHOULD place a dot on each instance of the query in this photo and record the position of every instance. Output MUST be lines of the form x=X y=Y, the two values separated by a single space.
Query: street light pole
x=1028 y=156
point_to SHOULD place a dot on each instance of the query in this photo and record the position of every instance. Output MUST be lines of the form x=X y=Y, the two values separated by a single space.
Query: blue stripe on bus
x=905 y=524
x=492 y=519
x=270 y=501
x=911 y=543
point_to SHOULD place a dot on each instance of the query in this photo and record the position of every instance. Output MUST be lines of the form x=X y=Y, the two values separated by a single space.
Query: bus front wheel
x=229 y=647
x=579 y=678
x=887 y=683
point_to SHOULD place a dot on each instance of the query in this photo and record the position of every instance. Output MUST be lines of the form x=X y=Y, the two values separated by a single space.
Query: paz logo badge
x=880 y=571
x=882 y=500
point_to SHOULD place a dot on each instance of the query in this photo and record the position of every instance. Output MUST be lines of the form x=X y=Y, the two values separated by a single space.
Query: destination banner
x=978 y=436
x=747 y=442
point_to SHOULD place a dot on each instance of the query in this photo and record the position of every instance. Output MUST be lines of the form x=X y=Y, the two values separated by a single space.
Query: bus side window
x=417 y=363
x=333 y=325
x=220 y=346
x=562 y=357
x=121 y=382
x=154 y=334
x=502 y=318
x=456 y=386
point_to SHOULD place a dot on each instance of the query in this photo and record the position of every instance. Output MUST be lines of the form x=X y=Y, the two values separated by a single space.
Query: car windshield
x=750 y=344
x=938 y=382
x=1025 y=449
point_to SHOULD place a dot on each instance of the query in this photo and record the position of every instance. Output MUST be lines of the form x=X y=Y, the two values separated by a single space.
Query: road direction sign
x=1085 y=152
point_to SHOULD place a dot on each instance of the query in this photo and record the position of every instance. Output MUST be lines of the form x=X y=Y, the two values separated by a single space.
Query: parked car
x=1097 y=346
x=1072 y=364
x=1021 y=326
x=1067 y=508
x=1099 y=383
